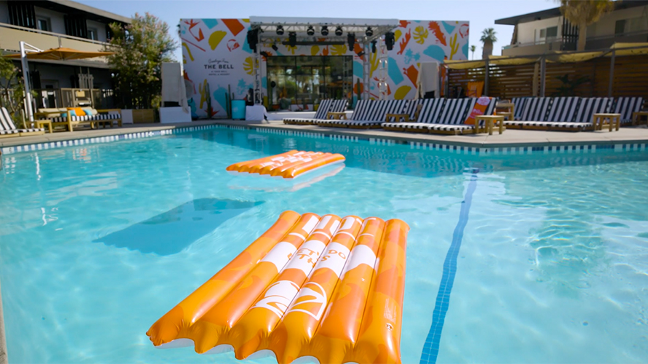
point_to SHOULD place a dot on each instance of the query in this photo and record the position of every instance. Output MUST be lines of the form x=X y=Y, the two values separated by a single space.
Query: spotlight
x=390 y=40
x=373 y=46
x=369 y=32
x=351 y=41
x=280 y=30
x=274 y=46
x=324 y=30
x=310 y=30
x=253 y=38
x=265 y=54
x=362 y=53
x=292 y=39
x=338 y=31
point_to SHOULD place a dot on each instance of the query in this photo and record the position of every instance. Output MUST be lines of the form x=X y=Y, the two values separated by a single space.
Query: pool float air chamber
x=326 y=288
x=287 y=165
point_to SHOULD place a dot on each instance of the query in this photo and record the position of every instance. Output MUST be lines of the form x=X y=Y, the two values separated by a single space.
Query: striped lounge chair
x=626 y=106
x=560 y=115
x=339 y=105
x=429 y=114
x=368 y=114
x=323 y=108
x=590 y=106
x=69 y=121
x=8 y=128
x=451 y=120
x=535 y=109
x=519 y=106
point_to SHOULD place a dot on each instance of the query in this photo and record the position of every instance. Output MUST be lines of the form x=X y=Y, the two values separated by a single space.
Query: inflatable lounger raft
x=310 y=287
x=287 y=165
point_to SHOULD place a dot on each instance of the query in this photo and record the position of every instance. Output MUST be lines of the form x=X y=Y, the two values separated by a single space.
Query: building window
x=547 y=35
x=630 y=25
x=92 y=34
x=43 y=24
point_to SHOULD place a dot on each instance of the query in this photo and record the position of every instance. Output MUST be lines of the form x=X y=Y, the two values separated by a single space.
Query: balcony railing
x=11 y=35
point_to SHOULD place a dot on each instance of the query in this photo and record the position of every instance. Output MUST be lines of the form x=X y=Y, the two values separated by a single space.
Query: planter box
x=141 y=116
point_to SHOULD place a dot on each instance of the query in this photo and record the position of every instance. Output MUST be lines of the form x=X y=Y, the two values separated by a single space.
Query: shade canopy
x=62 y=53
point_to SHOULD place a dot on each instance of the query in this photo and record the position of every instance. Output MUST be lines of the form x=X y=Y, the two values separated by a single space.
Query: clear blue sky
x=480 y=13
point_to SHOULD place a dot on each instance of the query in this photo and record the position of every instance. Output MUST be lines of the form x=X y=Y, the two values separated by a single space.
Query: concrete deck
x=510 y=138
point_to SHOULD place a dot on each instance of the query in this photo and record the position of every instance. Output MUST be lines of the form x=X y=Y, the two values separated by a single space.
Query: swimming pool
x=97 y=242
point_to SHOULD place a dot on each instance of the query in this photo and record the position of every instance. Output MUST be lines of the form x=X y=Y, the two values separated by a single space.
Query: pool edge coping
x=4 y=358
x=355 y=135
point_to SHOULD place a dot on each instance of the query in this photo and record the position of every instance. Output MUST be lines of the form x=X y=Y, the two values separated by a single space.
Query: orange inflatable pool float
x=328 y=288
x=287 y=165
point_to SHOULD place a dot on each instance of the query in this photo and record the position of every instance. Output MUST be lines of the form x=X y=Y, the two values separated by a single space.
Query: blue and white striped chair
x=451 y=120
x=429 y=114
x=458 y=126
x=519 y=103
x=339 y=105
x=535 y=109
x=626 y=106
x=322 y=110
x=368 y=114
x=590 y=106
x=8 y=128
x=560 y=116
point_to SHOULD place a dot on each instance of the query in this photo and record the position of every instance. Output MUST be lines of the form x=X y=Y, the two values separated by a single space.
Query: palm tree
x=473 y=48
x=584 y=13
x=488 y=37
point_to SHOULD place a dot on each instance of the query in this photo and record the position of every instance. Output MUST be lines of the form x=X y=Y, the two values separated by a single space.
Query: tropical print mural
x=217 y=59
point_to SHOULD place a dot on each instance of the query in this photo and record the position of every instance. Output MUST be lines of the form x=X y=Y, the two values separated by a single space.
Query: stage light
x=292 y=39
x=253 y=38
x=338 y=31
x=351 y=41
x=389 y=41
x=280 y=30
x=274 y=46
x=324 y=30
x=369 y=32
x=373 y=46
x=310 y=30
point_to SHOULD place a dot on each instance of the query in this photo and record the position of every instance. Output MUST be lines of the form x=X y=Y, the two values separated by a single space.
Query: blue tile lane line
x=431 y=346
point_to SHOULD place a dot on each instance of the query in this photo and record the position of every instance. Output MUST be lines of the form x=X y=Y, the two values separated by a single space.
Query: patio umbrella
x=62 y=53
x=28 y=51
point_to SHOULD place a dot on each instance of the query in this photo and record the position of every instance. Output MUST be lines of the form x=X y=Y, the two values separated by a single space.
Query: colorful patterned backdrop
x=217 y=58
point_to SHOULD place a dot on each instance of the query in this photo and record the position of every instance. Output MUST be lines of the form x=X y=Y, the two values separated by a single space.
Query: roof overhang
x=358 y=27
x=555 y=12
x=67 y=6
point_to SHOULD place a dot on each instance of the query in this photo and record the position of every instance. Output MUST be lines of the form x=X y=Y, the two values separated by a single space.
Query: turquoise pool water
x=97 y=242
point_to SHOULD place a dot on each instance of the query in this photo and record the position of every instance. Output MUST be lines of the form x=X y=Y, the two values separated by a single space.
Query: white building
x=59 y=23
x=548 y=31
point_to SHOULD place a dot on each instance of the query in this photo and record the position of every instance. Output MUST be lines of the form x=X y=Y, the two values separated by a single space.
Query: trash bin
x=238 y=109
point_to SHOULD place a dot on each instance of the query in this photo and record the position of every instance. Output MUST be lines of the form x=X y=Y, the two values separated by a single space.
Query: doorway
x=294 y=82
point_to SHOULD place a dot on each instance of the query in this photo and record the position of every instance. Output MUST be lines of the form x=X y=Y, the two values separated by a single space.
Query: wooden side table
x=336 y=115
x=613 y=121
x=636 y=117
x=397 y=117
x=490 y=120
x=40 y=123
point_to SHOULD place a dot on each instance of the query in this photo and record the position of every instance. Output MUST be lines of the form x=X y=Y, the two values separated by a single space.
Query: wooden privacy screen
x=630 y=78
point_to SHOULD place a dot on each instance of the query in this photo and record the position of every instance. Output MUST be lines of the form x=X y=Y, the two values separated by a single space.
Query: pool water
x=551 y=250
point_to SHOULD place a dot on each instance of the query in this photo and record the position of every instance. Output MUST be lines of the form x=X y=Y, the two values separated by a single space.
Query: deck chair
x=339 y=105
x=429 y=114
x=451 y=120
x=560 y=116
x=519 y=106
x=322 y=110
x=590 y=106
x=369 y=114
x=626 y=106
x=8 y=128
x=459 y=127
x=535 y=109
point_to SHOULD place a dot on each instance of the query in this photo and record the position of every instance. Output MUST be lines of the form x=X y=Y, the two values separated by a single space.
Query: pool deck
x=510 y=138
